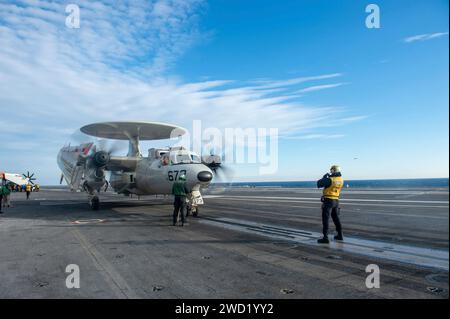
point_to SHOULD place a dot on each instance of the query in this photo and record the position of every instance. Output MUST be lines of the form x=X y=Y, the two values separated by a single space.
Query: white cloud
x=352 y=119
x=135 y=37
x=281 y=83
x=53 y=79
x=320 y=87
x=424 y=37
x=315 y=136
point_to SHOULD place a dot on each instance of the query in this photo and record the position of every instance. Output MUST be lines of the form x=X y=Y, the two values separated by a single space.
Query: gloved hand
x=326 y=175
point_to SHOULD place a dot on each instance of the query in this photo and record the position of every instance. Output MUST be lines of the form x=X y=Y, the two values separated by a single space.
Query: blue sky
x=343 y=91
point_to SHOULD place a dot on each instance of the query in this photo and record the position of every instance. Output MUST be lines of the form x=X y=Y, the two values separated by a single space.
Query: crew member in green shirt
x=180 y=191
x=6 y=192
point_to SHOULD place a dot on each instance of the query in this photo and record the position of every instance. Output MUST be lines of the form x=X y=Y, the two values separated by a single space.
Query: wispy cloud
x=135 y=37
x=424 y=37
x=320 y=87
x=315 y=136
x=281 y=83
x=353 y=118
x=117 y=66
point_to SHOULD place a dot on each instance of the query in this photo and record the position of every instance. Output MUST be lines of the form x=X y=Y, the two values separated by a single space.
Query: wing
x=71 y=162
x=76 y=178
x=16 y=178
x=122 y=163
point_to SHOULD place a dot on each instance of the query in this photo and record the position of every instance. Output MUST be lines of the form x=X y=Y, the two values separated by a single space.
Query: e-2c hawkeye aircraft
x=85 y=167
x=18 y=179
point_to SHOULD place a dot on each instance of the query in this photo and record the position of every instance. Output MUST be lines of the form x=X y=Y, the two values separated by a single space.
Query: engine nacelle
x=212 y=161
x=95 y=174
x=94 y=179
x=100 y=159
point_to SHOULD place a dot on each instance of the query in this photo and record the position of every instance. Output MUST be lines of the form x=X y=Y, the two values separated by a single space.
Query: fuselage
x=154 y=174
x=150 y=177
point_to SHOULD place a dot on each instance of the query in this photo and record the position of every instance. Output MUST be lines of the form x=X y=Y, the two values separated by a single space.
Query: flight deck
x=246 y=243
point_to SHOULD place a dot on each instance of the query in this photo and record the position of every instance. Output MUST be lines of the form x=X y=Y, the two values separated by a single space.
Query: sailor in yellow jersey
x=332 y=184
x=28 y=190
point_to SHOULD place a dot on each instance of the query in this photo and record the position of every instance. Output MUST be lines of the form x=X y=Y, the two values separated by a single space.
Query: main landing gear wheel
x=95 y=203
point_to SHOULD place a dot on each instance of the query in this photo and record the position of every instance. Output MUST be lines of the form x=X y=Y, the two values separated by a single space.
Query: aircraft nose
x=204 y=176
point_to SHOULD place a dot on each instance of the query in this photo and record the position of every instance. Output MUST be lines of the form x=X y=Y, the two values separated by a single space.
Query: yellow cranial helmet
x=335 y=169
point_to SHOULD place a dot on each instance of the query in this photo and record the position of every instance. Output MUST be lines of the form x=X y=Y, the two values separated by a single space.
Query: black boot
x=339 y=237
x=323 y=240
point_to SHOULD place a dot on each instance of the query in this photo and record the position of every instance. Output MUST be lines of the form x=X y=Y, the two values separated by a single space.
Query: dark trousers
x=179 y=206
x=330 y=207
x=1 y=202
x=28 y=195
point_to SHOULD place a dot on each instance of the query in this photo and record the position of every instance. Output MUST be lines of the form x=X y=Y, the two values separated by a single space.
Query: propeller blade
x=29 y=177
x=80 y=138
x=102 y=145
x=116 y=146
x=224 y=174
x=227 y=171
x=110 y=146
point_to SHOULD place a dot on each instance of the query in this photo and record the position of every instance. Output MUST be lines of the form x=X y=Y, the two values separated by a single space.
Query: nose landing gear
x=192 y=210
x=195 y=199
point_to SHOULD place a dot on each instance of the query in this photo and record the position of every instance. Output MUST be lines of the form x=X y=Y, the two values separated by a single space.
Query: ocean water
x=379 y=183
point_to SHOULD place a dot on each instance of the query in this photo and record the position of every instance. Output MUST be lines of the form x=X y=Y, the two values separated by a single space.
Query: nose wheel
x=192 y=211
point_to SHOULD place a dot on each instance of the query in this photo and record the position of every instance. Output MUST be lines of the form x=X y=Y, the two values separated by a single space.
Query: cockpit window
x=184 y=157
x=195 y=158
